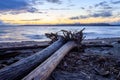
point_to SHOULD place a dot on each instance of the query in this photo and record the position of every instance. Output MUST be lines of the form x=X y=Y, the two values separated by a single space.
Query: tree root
x=68 y=36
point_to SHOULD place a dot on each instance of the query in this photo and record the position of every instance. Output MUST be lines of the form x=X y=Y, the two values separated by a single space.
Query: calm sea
x=36 y=33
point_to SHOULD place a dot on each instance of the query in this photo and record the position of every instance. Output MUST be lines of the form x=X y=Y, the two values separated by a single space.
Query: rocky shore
x=99 y=60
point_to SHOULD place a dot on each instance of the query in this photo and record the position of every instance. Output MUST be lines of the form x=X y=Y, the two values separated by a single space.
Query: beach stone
x=114 y=43
x=65 y=64
x=105 y=52
x=104 y=42
x=101 y=59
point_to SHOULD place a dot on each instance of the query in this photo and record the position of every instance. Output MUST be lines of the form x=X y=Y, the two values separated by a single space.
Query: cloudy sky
x=59 y=11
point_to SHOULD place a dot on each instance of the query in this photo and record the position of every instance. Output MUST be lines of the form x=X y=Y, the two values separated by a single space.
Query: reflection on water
x=36 y=33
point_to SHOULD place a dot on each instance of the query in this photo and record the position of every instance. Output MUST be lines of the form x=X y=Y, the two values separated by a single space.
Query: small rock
x=101 y=59
x=78 y=62
x=113 y=43
x=83 y=58
x=105 y=73
x=104 y=42
x=65 y=64
x=102 y=72
x=105 y=52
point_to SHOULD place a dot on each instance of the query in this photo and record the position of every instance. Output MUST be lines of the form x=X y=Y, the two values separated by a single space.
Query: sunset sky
x=59 y=11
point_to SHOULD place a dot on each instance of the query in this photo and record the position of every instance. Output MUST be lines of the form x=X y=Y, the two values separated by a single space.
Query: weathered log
x=97 y=45
x=23 y=47
x=9 y=54
x=21 y=68
x=43 y=71
x=11 y=51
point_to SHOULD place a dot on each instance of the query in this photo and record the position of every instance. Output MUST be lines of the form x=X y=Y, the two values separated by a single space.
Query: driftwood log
x=8 y=54
x=23 y=47
x=97 y=45
x=21 y=68
x=11 y=51
x=43 y=71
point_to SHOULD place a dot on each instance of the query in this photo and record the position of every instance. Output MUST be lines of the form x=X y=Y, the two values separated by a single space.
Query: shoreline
x=37 y=43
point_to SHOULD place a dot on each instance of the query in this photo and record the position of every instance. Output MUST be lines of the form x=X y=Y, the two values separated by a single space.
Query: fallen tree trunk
x=43 y=71
x=21 y=68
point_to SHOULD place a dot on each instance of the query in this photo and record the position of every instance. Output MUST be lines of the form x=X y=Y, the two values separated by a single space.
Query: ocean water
x=36 y=33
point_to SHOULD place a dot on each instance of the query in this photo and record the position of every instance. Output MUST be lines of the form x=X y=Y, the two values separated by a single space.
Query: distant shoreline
x=74 y=25
x=69 y=25
x=77 y=24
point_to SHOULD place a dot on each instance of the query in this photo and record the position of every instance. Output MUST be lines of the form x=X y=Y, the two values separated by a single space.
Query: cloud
x=71 y=5
x=32 y=10
x=41 y=2
x=82 y=8
x=55 y=1
x=103 y=5
x=59 y=9
x=22 y=6
x=74 y=18
x=13 y=12
x=102 y=14
x=16 y=7
x=115 y=2
x=31 y=20
x=101 y=9
x=97 y=14
x=13 y=4
x=37 y=2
